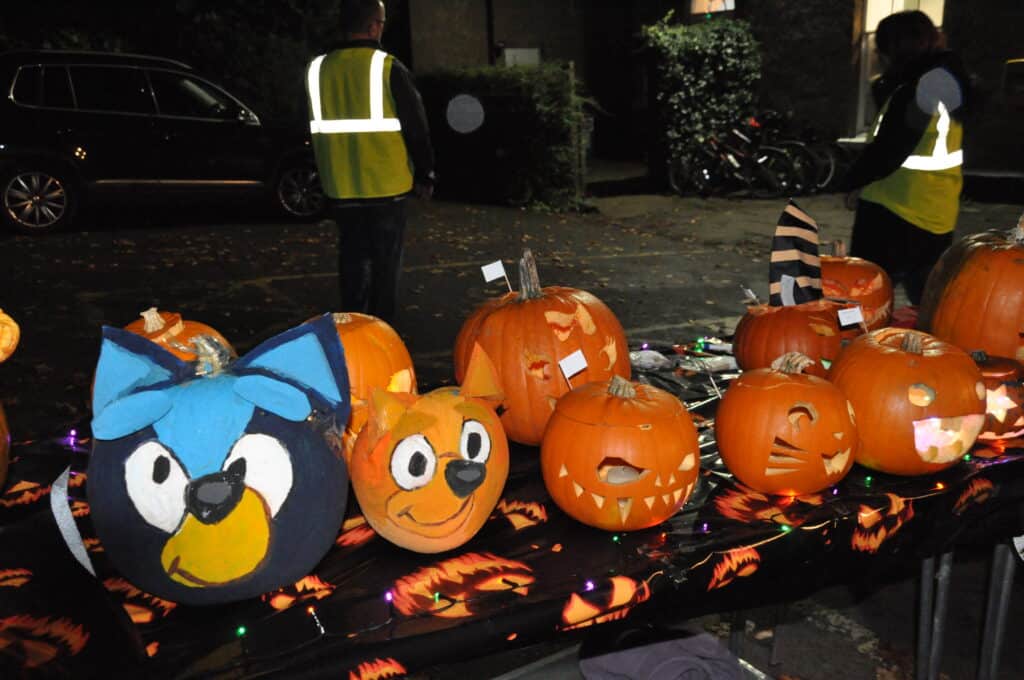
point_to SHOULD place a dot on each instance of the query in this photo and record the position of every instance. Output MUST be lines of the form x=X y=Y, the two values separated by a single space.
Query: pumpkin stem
x=211 y=356
x=792 y=363
x=620 y=387
x=341 y=318
x=152 y=320
x=529 y=280
x=912 y=343
x=839 y=248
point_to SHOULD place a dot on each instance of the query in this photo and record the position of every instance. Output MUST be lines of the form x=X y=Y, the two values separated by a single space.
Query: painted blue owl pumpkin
x=210 y=483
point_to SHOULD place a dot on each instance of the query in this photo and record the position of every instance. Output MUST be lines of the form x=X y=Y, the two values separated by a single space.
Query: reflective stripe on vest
x=375 y=123
x=941 y=158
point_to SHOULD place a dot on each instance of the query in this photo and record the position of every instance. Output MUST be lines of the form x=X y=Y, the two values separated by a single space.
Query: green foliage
x=526 y=151
x=706 y=77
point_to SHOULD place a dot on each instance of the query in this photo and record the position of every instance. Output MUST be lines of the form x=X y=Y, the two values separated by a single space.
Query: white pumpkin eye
x=265 y=465
x=475 y=442
x=413 y=462
x=920 y=394
x=156 y=485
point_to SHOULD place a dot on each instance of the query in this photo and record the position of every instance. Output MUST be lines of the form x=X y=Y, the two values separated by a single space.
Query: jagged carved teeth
x=836 y=463
x=944 y=440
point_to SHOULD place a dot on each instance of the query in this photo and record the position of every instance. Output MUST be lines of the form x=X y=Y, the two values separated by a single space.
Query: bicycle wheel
x=678 y=174
x=773 y=174
x=829 y=170
x=806 y=162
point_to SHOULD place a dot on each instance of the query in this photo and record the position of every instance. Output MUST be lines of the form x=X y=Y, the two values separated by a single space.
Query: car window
x=57 y=88
x=27 y=84
x=180 y=95
x=111 y=88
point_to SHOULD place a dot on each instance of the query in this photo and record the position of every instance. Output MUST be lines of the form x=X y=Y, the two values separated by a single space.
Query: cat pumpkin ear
x=386 y=409
x=481 y=380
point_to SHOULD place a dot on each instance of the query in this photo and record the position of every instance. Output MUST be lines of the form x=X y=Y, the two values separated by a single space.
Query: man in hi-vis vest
x=372 y=148
x=909 y=175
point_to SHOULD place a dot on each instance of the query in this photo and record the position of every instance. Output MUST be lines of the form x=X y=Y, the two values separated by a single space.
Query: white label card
x=851 y=316
x=494 y=270
x=573 y=364
x=787 y=283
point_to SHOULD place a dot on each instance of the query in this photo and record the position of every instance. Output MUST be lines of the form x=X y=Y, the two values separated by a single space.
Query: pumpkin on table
x=619 y=455
x=10 y=333
x=173 y=333
x=919 y=401
x=974 y=296
x=766 y=332
x=212 y=481
x=376 y=358
x=1004 y=396
x=860 y=281
x=781 y=431
x=527 y=333
x=429 y=469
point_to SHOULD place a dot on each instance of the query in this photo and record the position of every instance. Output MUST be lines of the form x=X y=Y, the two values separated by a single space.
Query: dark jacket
x=904 y=122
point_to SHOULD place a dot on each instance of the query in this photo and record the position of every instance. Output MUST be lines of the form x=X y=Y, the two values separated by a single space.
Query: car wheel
x=297 y=191
x=36 y=200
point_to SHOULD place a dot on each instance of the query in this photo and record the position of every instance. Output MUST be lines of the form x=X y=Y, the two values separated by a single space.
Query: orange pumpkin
x=920 y=402
x=860 y=281
x=9 y=336
x=780 y=431
x=173 y=333
x=429 y=469
x=528 y=333
x=974 y=296
x=1004 y=396
x=619 y=455
x=766 y=333
x=376 y=358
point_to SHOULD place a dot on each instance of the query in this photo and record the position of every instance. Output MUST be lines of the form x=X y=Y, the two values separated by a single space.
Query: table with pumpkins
x=308 y=506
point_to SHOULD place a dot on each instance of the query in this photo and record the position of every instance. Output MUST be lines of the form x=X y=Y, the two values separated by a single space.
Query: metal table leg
x=924 y=619
x=1004 y=564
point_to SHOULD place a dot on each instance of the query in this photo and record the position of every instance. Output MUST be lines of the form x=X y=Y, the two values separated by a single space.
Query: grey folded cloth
x=700 y=657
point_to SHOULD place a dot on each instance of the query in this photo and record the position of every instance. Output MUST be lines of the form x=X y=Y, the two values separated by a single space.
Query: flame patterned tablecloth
x=372 y=610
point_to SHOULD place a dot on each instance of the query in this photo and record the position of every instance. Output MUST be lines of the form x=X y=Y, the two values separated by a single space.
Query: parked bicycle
x=821 y=162
x=736 y=161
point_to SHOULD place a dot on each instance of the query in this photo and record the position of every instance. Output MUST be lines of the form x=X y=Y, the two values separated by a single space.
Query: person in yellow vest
x=907 y=182
x=372 y=147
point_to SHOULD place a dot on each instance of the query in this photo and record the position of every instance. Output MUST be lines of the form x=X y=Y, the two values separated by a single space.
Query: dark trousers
x=907 y=253
x=370 y=255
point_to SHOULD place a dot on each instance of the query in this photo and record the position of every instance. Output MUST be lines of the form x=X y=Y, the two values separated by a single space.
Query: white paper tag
x=850 y=316
x=787 y=284
x=1018 y=546
x=573 y=364
x=494 y=270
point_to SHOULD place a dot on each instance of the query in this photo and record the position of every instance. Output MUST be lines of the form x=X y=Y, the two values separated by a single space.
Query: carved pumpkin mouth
x=786 y=458
x=618 y=471
x=835 y=463
x=944 y=440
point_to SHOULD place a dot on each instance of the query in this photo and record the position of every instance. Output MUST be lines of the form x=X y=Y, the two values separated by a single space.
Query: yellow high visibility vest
x=925 y=190
x=357 y=137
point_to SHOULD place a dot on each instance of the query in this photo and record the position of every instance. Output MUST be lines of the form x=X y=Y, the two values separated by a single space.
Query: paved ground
x=671 y=269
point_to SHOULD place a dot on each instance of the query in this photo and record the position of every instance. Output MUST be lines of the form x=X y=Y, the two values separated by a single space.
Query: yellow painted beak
x=202 y=555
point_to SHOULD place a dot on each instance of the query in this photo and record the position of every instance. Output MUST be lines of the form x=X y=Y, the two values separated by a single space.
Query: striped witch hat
x=794 y=273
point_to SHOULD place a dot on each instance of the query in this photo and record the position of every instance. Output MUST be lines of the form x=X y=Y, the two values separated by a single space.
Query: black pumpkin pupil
x=417 y=464
x=473 y=444
x=161 y=469
x=237 y=469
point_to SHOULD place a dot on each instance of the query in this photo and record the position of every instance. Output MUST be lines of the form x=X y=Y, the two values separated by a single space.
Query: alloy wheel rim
x=36 y=200
x=299 y=192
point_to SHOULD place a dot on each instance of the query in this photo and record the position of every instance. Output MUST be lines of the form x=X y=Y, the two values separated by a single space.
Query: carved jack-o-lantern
x=920 y=402
x=620 y=456
x=527 y=333
x=1004 y=394
x=429 y=469
x=860 y=281
x=766 y=333
x=783 y=432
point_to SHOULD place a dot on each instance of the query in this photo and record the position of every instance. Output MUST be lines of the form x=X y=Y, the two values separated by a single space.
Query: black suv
x=80 y=124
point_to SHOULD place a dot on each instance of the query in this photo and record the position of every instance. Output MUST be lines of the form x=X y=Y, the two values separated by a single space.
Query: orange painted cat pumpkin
x=429 y=469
